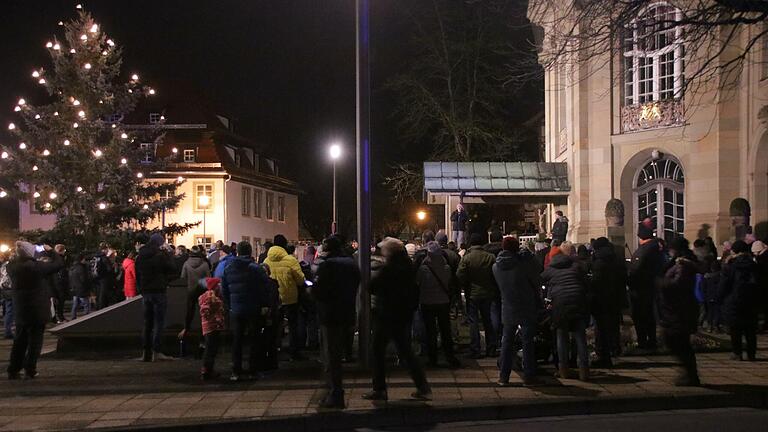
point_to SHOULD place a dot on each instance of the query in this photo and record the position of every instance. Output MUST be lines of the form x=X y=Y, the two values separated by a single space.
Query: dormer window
x=189 y=155
x=155 y=118
x=149 y=152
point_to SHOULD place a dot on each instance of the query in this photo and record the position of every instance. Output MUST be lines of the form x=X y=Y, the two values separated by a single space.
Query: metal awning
x=496 y=178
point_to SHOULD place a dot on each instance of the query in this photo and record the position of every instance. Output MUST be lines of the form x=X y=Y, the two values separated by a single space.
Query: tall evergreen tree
x=73 y=156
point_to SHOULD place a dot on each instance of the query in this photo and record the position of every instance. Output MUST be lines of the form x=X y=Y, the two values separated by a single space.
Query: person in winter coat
x=80 y=285
x=335 y=291
x=475 y=275
x=645 y=270
x=32 y=306
x=711 y=290
x=678 y=308
x=285 y=269
x=517 y=276
x=609 y=291
x=212 y=322
x=154 y=268
x=494 y=247
x=227 y=255
x=434 y=279
x=559 y=227
x=61 y=285
x=394 y=298
x=195 y=267
x=104 y=277
x=567 y=288
x=760 y=252
x=245 y=291
x=739 y=295
x=459 y=221
x=129 y=275
x=6 y=290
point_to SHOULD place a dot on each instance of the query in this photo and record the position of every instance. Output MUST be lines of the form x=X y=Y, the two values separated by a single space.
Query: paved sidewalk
x=122 y=392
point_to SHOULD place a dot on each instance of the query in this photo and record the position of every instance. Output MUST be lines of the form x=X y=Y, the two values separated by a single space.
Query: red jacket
x=212 y=307
x=129 y=276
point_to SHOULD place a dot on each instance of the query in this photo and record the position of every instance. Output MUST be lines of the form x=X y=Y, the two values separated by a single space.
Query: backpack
x=5 y=279
x=95 y=267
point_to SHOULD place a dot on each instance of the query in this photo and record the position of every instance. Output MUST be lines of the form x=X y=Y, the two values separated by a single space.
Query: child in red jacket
x=212 y=319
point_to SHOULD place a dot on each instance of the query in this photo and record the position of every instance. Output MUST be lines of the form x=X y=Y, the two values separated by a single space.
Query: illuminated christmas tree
x=73 y=156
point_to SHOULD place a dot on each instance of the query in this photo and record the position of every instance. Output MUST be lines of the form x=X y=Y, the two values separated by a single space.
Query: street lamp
x=335 y=152
x=4 y=248
x=421 y=215
x=203 y=201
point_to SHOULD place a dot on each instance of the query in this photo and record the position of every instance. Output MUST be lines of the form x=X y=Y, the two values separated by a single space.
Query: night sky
x=283 y=69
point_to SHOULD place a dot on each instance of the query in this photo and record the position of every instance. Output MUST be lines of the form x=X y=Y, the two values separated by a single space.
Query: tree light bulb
x=56 y=47
x=37 y=116
x=87 y=66
x=130 y=91
x=72 y=51
x=49 y=45
x=123 y=161
x=79 y=189
x=104 y=53
x=114 y=126
x=47 y=205
x=42 y=81
x=17 y=109
x=84 y=37
x=124 y=135
x=151 y=91
x=130 y=200
x=35 y=74
x=61 y=23
x=102 y=206
x=75 y=102
x=56 y=113
x=3 y=194
x=175 y=150
x=46 y=152
x=36 y=194
x=21 y=101
x=139 y=175
x=11 y=126
x=97 y=153
x=146 y=207
x=81 y=114
x=66 y=142
x=34 y=168
x=79 y=6
x=23 y=146
x=110 y=42
x=180 y=179
x=135 y=77
x=75 y=125
x=53 y=195
x=94 y=28
x=4 y=155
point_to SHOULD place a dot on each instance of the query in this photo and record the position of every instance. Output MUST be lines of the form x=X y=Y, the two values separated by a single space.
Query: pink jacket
x=129 y=277
x=212 y=307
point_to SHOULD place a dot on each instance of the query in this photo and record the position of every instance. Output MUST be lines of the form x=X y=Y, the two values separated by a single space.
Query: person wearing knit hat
x=645 y=269
x=212 y=322
x=758 y=248
x=738 y=294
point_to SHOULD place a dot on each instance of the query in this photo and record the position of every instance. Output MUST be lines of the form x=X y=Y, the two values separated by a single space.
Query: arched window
x=653 y=56
x=659 y=195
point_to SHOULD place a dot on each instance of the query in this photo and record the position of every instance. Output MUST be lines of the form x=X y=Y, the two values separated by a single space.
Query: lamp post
x=335 y=151
x=421 y=215
x=203 y=201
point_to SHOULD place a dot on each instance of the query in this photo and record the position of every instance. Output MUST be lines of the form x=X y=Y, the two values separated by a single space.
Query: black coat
x=560 y=229
x=493 y=248
x=459 y=220
x=678 y=307
x=154 y=268
x=394 y=291
x=567 y=287
x=609 y=282
x=738 y=292
x=79 y=280
x=520 y=286
x=335 y=290
x=30 y=280
x=646 y=268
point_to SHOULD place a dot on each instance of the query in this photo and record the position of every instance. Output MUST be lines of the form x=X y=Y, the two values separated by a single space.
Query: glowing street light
x=335 y=152
x=421 y=215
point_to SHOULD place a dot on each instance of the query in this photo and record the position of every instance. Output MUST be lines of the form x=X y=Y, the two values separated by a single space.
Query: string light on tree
x=140 y=175
x=124 y=135
x=110 y=42
x=102 y=206
x=97 y=153
x=52 y=195
x=35 y=168
x=21 y=102
x=94 y=28
x=3 y=194
x=84 y=37
x=81 y=114
x=87 y=66
x=72 y=51
x=49 y=45
x=37 y=116
x=75 y=102
x=66 y=142
x=11 y=126
x=17 y=109
x=75 y=125
x=135 y=77
x=175 y=150
x=35 y=74
x=123 y=161
x=79 y=189
x=46 y=152
x=36 y=195
x=22 y=146
x=42 y=81
x=56 y=47
x=4 y=155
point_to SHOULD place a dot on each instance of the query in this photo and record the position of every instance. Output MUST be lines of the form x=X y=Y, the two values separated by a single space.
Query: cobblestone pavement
x=97 y=392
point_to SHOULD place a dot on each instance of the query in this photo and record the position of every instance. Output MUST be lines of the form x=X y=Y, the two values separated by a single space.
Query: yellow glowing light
x=34 y=168
x=17 y=109
x=79 y=6
x=421 y=215
x=81 y=114
x=47 y=205
x=56 y=47
x=124 y=135
x=72 y=51
x=37 y=116
x=104 y=52
x=87 y=66
x=180 y=179
x=151 y=91
x=146 y=207
x=76 y=102
x=203 y=201
x=35 y=74
x=110 y=42
x=123 y=161
x=139 y=175
x=94 y=28
x=4 y=155
x=75 y=125
x=42 y=81
x=21 y=101
x=175 y=150
x=49 y=45
x=56 y=113
x=84 y=37
x=79 y=189
x=3 y=194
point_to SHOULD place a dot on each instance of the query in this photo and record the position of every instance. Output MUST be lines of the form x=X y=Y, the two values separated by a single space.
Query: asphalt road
x=709 y=420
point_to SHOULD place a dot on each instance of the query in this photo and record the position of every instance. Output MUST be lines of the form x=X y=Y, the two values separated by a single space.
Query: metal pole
x=205 y=247
x=335 y=208
x=363 y=177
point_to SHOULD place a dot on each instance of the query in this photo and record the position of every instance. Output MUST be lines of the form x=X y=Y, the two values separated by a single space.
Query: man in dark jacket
x=475 y=274
x=104 y=277
x=154 y=268
x=494 y=247
x=518 y=279
x=459 y=221
x=245 y=291
x=644 y=271
x=335 y=291
x=678 y=308
x=394 y=298
x=61 y=285
x=31 y=304
x=560 y=227
x=739 y=295
x=609 y=290
x=79 y=283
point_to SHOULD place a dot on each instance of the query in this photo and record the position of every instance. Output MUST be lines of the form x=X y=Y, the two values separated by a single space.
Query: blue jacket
x=244 y=286
x=222 y=265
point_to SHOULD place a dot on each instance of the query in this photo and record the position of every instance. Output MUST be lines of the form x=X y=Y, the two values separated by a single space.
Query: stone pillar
x=740 y=213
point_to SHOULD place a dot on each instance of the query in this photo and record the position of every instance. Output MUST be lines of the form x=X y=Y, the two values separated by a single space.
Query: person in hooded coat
x=645 y=269
x=567 y=287
x=609 y=290
x=129 y=275
x=80 y=285
x=195 y=267
x=559 y=227
x=739 y=295
x=154 y=269
x=31 y=304
x=475 y=274
x=518 y=277
x=434 y=279
x=678 y=308
x=286 y=270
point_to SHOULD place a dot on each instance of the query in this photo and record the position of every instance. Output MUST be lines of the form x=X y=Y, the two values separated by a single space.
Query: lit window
x=270 y=207
x=155 y=118
x=189 y=155
x=168 y=195
x=257 y=203
x=281 y=209
x=204 y=242
x=149 y=152
x=205 y=189
x=653 y=57
x=245 y=201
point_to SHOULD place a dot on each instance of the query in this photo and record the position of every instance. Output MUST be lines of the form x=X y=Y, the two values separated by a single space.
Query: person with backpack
x=32 y=306
x=434 y=278
x=394 y=299
x=212 y=321
x=80 y=286
x=475 y=273
x=739 y=295
x=6 y=289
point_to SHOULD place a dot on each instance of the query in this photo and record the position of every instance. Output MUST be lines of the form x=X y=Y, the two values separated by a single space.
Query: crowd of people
x=537 y=299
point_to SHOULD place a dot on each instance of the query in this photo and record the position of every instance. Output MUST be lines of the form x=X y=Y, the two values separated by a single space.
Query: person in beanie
x=678 y=308
x=31 y=305
x=459 y=221
x=644 y=271
x=335 y=291
x=434 y=279
x=518 y=278
x=245 y=290
x=212 y=321
x=739 y=295
x=475 y=274
x=394 y=298
x=154 y=268
x=609 y=291
x=195 y=267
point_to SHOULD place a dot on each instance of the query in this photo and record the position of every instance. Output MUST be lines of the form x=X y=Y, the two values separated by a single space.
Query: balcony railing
x=652 y=115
